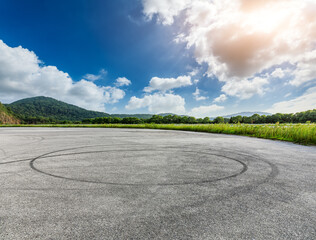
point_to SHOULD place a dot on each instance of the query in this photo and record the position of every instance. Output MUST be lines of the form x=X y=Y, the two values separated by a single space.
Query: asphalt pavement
x=92 y=183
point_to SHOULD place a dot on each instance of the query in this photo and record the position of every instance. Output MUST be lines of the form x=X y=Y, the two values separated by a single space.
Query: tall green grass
x=298 y=133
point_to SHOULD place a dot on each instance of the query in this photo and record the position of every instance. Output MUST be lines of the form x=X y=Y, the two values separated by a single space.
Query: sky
x=194 y=57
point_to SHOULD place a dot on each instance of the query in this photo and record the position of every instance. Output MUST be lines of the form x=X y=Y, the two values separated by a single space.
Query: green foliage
x=41 y=110
x=6 y=116
x=158 y=119
x=48 y=110
x=298 y=133
x=237 y=119
x=219 y=120
x=300 y=117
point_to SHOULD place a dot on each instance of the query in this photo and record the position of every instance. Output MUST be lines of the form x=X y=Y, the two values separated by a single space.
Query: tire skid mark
x=29 y=159
x=36 y=139
x=243 y=170
x=16 y=161
x=240 y=190
x=51 y=189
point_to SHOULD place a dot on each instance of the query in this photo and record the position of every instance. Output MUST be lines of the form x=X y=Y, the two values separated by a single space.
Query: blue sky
x=150 y=56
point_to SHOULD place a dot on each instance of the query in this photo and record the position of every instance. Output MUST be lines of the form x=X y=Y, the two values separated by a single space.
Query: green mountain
x=6 y=116
x=45 y=108
x=246 y=114
x=140 y=116
x=172 y=114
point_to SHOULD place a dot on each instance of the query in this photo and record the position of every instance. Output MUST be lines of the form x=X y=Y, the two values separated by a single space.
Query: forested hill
x=6 y=116
x=44 y=108
x=140 y=116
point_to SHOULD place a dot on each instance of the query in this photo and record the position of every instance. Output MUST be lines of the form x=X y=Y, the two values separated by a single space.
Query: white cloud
x=195 y=81
x=165 y=84
x=158 y=103
x=287 y=95
x=221 y=98
x=306 y=70
x=22 y=75
x=122 y=81
x=166 y=10
x=113 y=94
x=278 y=73
x=197 y=95
x=205 y=111
x=194 y=72
x=245 y=89
x=87 y=95
x=200 y=98
x=302 y=103
x=92 y=77
x=239 y=39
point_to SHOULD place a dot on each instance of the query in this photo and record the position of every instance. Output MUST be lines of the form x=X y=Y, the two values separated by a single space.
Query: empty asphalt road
x=84 y=183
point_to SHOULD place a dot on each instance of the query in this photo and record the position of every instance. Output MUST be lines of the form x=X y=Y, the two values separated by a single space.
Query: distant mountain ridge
x=140 y=116
x=46 y=107
x=50 y=108
x=246 y=114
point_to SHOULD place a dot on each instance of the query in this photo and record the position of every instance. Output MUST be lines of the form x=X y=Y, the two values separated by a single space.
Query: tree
x=219 y=120
x=191 y=120
x=155 y=119
x=246 y=119
x=206 y=120
x=236 y=119
x=131 y=120
x=255 y=118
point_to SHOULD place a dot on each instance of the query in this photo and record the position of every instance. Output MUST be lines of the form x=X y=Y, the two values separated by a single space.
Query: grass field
x=297 y=133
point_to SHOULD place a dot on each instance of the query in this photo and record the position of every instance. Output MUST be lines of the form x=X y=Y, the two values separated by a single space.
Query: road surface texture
x=86 y=183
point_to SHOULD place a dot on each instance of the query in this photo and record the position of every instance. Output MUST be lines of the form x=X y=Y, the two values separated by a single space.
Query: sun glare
x=266 y=19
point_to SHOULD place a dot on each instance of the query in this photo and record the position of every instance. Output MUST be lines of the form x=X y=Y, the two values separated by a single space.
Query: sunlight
x=266 y=20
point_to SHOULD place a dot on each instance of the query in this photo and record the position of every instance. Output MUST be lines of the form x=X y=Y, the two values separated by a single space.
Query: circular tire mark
x=243 y=169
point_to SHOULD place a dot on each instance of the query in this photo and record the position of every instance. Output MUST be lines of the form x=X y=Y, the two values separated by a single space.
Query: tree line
x=154 y=119
x=301 y=117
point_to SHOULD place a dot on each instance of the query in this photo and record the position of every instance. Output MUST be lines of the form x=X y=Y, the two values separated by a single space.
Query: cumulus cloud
x=197 y=95
x=194 y=72
x=239 y=39
x=87 y=95
x=306 y=70
x=245 y=89
x=93 y=77
x=113 y=94
x=158 y=103
x=166 y=10
x=23 y=75
x=164 y=84
x=205 y=111
x=221 y=98
x=307 y=101
x=122 y=81
x=278 y=73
